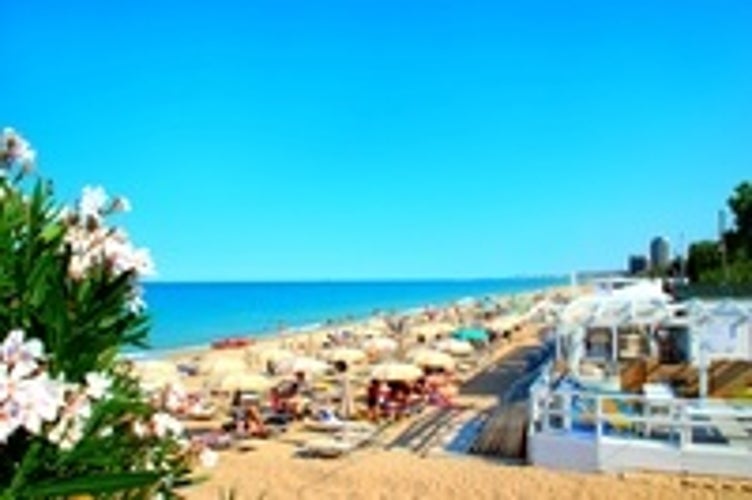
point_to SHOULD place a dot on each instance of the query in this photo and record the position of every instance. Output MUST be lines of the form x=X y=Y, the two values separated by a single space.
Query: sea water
x=194 y=314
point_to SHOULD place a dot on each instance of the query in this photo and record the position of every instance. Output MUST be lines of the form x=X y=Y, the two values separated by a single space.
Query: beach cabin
x=616 y=395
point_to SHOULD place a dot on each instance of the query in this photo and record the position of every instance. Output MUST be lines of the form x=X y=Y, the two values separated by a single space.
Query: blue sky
x=377 y=138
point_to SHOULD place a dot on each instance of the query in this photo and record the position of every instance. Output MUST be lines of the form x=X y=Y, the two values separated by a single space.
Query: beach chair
x=327 y=421
x=339 y=445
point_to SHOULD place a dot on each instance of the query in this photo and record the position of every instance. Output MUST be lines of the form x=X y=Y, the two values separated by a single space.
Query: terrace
x=642 y=383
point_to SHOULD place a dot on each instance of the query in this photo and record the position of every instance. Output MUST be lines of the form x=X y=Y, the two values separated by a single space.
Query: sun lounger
x=341 y=426
x=349 y=440
x=201 y=412
x=215 y=440
x=326 y=448
x=327 y=421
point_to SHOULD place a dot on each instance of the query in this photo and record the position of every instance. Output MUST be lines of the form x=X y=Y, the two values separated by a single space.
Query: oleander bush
x=73 y=419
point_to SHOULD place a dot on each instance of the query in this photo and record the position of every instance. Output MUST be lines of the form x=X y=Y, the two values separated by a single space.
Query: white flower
x=140 y=429
x=8 y=384
x=97 y=385
x=208 y=458
x=174 y=398
x=78 y=266
x=92 y=203
x=19 y=355
x=165 y=424
x=9 y=419
x=45 y=396
x=29 y=403
x=70 y=428
x=14 y=148
x=135 y=304
x=121 y=204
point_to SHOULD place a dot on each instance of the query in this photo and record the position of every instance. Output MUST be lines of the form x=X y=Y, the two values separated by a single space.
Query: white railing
x=677 y=422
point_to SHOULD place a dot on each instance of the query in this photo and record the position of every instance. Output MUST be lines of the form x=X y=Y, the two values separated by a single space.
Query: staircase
x=504 y=434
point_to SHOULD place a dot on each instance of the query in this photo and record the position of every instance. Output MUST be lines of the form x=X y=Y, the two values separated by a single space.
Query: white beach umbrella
x=376 y=324
x=432 y=358
x=455 y=347
x=302 y=364
x=220 y=365
x=242 y=381
x=155 y=374
x=154 y=367
x=274 y=355
x=364 y=332
x=346 y=354
x=396 y=372
x=380 y=345
x=432 y=329
x=501 y=323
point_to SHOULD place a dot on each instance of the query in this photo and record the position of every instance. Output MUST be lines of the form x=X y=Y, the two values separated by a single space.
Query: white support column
x=685 y=431
x=703 y=370
x=702 y=355
x=598 y=418
x=614 y=345
x=534 y=411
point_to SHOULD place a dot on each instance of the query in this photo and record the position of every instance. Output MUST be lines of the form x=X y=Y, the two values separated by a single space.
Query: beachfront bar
x=616 y=396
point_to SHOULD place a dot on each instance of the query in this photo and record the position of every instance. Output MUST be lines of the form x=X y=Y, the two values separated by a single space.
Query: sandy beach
x=273 y=468
x=271 y=471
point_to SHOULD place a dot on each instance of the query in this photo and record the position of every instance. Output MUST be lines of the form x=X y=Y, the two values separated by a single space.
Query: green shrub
x=73 y=420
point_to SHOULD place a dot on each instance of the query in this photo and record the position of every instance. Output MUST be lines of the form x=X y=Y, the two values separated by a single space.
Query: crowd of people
x=294 y=399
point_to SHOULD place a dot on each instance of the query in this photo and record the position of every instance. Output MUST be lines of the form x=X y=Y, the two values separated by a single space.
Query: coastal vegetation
x=73 y=419
x=727 y=261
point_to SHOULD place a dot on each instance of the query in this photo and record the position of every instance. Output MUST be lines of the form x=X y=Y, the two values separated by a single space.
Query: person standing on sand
x=347 y=404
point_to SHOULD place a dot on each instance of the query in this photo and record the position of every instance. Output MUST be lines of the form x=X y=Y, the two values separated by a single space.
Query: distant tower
x=637 y=264
x=660 y=253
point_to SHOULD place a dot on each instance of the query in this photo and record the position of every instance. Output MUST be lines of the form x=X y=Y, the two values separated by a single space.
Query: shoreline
x=299 y=339
x=338 y=321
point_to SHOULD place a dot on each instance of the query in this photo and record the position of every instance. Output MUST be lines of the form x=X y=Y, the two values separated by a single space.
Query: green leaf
x=94 y=484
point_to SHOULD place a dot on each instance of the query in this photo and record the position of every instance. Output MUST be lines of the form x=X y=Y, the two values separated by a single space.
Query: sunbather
x=246 y=417
x=374 y=399
x=291 y=397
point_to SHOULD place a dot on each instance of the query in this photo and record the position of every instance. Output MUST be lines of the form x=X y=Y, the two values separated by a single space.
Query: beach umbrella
x=302 y=364
x=242 y=381
x=432 y=358
x=346 y=354
x=368 y=333
x=471 y=334
x=455 y=347
x=432 y=329
x=380 y=345
x=155 y=374
x=505 y=322
x=274 y=355
x=220 y=365
x=396 y=372
x=154 y=367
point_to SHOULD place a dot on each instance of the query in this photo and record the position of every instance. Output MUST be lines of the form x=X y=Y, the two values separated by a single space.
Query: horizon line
x=356 y=280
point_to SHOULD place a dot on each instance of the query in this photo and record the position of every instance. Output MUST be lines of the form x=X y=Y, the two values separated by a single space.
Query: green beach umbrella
x=471 y=334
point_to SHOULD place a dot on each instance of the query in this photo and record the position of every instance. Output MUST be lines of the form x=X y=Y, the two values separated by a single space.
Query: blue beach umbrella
x=471 y=334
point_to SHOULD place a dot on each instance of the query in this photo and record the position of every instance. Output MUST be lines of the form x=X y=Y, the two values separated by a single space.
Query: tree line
x=728 y=260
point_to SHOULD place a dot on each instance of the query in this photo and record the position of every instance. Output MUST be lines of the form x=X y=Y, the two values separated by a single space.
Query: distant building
x=638 y=264
x=660 y=253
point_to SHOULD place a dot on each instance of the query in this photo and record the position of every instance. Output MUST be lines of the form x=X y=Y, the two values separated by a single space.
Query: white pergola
x=716 y=328
x=651 y=311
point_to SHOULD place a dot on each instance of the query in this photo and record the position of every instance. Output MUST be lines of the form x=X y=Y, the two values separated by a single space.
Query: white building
x=583 y=420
